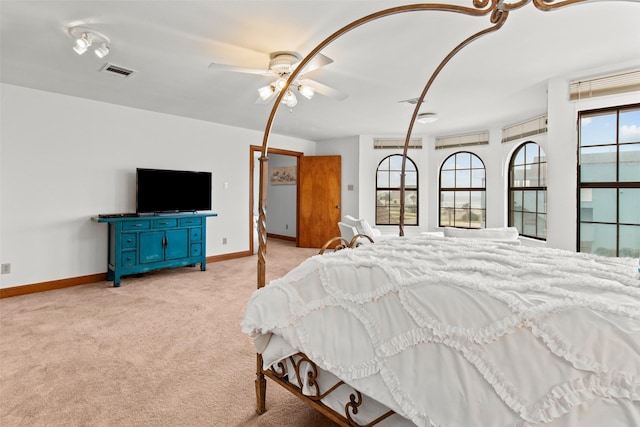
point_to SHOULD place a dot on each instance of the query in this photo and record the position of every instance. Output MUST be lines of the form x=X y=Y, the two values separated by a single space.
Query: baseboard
x=281 y=237
x=85 y=280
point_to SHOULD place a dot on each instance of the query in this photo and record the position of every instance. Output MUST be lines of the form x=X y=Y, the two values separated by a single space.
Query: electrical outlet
x=286 y=227
x=6 y=268
x=224 y=240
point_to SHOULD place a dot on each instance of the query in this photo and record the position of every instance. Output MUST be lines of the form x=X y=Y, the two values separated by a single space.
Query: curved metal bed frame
x=498 y=12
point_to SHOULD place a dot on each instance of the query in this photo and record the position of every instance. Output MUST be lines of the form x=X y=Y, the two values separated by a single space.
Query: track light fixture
x=85 y=38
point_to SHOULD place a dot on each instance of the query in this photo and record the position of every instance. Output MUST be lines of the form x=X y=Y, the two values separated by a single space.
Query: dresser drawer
x=135 y=225
x=195 y=234
x=186 y=222
x=129 y=240
x=165 y=223
x=196 y=249
x=129 y=258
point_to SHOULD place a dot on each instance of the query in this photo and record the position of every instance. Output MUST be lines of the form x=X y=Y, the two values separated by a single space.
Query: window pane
x=446 y=199
x=450 y=163
x=477 y=178
x=446 y=217
x=384 y=164
x=411 y=180
x=598 y=164
x=629 y=126
x=598 y=129
x=543 y=174
x=517 y=221
x=382 y=215
x=463 y=160
x=542 y=201
x=448 y=179
x=516 y=200
x=599 y=204
x=477 y=199
x=382 y=197
x=629 y=206
x=542 y=226
x=530 y=221
x=383 y=179
x=598 y=239
x=629 y=163
x=629 y=241
x=463 y=178
x=462 y=199
x=531 y=175
x=531 y=153
x=476 y=163
x=519 y=159
x=462 y=218
x=394 y=179
x=395 y=162
x=518 y=176
x=529 y=201
x=476 y=218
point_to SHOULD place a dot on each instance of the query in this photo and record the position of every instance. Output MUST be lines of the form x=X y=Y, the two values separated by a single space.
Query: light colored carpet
x=164 y=349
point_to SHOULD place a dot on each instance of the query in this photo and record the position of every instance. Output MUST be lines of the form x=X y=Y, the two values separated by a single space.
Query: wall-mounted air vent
x=465 y=140
x=116 y=70
x=611 y=84
x=396 y=143
x=524 y=129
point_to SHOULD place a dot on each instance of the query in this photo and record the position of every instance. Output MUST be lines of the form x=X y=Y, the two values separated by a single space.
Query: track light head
x=85 y=37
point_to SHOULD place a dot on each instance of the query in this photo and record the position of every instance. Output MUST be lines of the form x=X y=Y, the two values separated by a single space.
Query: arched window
x=528 y=191
x=462 y=191
x=388 y=191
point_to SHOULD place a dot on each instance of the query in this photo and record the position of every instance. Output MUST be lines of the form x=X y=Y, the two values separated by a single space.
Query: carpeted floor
x=164 y=349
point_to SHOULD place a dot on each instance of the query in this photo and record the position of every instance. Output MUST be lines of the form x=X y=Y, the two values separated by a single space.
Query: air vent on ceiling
x=116 y=70
x=524 y=129
x=465 y=140
x=612 y=84
x=396 y=143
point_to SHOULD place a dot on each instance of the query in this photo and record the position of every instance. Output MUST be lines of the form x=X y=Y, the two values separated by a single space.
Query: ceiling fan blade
x=318 y=61
x=324 y=89
x=237 y=69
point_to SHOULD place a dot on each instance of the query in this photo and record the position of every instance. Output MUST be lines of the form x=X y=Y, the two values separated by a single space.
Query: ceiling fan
x=281 y=65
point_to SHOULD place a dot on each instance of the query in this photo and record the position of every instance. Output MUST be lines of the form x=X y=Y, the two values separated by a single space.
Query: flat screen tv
x=164 y=191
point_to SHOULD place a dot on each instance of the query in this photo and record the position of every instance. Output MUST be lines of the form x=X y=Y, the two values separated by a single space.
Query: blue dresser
x=138 y=244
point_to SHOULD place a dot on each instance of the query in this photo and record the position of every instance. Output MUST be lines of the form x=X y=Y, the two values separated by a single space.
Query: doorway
x=290 y=157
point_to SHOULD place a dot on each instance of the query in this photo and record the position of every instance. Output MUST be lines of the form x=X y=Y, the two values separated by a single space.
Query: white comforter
x=456 y=332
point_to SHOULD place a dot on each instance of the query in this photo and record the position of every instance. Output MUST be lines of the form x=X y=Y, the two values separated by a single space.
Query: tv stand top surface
x=132 y=216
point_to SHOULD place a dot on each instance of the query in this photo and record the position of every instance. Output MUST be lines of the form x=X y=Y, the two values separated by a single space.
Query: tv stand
x=138 y=244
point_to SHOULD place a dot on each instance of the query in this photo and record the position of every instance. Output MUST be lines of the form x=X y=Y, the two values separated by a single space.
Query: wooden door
x=319 y=192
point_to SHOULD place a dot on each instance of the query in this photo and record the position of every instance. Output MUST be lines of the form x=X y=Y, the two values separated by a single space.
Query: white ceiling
x=170 y=44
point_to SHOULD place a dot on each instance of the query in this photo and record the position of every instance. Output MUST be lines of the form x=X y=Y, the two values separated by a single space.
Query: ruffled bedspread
x=455 y=332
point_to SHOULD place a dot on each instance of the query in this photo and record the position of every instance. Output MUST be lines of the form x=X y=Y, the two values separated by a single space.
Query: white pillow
x=364 y=228
x=499 y=233
x=348 y=219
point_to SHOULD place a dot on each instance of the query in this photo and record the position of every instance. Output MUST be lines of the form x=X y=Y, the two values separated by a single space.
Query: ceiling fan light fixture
x=266 y=91
x=306 y=91
x=426 y=118
x=289 y=99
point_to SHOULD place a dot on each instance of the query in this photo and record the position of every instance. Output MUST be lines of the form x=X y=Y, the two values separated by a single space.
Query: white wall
x=64 y=159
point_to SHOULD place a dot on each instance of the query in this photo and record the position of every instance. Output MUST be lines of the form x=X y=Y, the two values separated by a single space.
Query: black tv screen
x=161 y=190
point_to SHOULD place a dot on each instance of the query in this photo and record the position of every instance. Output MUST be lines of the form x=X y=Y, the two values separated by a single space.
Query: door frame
x=252 y=150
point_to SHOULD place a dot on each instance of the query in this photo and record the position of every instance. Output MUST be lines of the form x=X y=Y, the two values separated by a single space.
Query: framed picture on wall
x=283 y=175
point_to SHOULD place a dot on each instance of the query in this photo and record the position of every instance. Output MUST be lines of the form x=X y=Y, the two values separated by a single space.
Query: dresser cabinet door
x=151 y=246
x=176 y=243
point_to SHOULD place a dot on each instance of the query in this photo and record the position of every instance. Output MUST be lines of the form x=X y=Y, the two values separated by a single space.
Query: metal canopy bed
x=507 y=278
